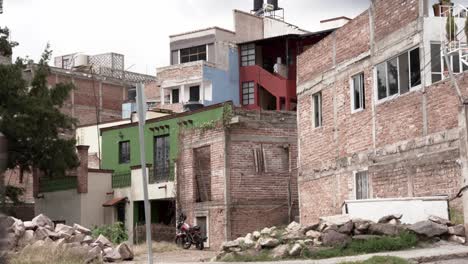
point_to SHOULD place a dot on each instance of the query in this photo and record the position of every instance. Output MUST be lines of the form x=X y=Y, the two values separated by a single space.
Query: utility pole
x=141 y=106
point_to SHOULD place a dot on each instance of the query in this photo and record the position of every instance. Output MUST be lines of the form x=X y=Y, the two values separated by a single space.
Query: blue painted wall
x=225 y=84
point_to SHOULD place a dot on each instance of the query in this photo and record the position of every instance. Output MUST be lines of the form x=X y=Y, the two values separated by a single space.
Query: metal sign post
x=141 y=106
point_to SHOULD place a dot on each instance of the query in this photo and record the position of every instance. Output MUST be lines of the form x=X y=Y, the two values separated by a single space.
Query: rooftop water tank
x=258 y=4
x=274 y=3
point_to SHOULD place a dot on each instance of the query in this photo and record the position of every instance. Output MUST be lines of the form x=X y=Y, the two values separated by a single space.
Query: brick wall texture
x=90 y=96
x=409 y=145
x=255 y=199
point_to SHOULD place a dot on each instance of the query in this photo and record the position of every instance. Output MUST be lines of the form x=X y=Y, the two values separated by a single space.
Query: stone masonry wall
x=408 y=144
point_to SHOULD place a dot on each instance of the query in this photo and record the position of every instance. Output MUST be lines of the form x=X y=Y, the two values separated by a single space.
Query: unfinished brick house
x=377 y=115
x=238 y=176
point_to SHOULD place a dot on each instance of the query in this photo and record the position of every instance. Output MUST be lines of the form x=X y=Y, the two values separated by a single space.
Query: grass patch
x=158 y=247
x=381 y=260
x=261 y=256
x=46 y=255
x=405 y=240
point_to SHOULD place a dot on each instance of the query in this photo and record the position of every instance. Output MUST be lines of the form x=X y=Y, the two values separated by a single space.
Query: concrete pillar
x=82 y=171
x=463 y=128
x=162 y=96
x=182 y=98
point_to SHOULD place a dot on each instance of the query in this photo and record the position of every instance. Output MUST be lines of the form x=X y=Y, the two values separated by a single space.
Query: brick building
x=377 y=117
x=240 y=177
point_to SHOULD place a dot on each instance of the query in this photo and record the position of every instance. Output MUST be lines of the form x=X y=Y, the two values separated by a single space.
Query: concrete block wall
x=409 y=144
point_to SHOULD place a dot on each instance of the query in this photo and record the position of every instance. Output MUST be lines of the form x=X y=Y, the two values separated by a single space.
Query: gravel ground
x=185 y=256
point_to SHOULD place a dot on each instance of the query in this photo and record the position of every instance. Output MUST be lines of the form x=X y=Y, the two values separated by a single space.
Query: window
x=131 y=94
x=357 y=92
x=362 y=185
x=398 y=75
x=124 y=152
x=317 y=109
x=248 y=93
x=194 y=93
x=175 y=96
x=161 y=159
x=202 y=172
x=259 y=160
x=248 y=55
x=193 y=54
x=438 y=65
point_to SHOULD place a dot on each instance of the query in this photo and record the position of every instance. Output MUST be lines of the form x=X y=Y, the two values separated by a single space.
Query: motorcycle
x=189 y=235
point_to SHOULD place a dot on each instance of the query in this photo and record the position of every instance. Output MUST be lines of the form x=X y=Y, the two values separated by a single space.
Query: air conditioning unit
x=80 y=60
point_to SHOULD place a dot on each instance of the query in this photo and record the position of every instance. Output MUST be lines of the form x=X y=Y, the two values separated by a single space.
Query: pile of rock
x=334 y=231
x=41 y=232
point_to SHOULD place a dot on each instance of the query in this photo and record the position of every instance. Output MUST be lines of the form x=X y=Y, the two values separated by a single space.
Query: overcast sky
x=139 y=29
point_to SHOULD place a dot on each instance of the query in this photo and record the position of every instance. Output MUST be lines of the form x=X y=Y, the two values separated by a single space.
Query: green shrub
x=405 y=240
x=381 y=260
x=116 y=232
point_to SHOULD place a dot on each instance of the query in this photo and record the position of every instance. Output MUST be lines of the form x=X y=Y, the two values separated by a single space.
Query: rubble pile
x=41 y=232
x=334 y=231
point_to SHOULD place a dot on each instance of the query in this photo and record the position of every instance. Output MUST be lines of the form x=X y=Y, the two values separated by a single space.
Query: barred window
x=248 y=93
x=124 y=152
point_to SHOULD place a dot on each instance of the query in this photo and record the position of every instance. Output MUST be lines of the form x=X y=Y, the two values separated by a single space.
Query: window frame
x=362 y=93
x=461 y=66
x=355 y=184
x=199 y=93
x=199 y=54
x=410 y=88
x=120 y=153
x=251 y=85
x=246 y=52
x=320 y=110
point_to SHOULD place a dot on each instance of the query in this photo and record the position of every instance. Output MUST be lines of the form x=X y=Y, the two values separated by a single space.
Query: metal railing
x=121 y=179
x=57 y=184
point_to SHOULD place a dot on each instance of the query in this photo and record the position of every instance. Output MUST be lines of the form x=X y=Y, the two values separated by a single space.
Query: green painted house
x=121 y=153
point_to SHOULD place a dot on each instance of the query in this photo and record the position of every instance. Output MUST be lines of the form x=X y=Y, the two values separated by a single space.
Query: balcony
x=121 y=179
x=281 y=88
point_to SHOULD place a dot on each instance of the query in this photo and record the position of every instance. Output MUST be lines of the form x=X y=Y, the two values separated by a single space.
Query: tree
x=31 y=120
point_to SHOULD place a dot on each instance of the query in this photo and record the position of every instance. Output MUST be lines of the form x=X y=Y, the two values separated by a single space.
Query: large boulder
x=337 y=220
x=313 y=234
x=112 y=256
x=103 y=242
x=332 y=238
x=269 y=242
x=439 y=220
x=365 y=237
x=458 y=230
x=294 y=227
x=295 y=250
x=125 y=252
x=457 y=239
x=43 y=221
x=347 y=228
x=280 y=252
x=388 y=218
x=82 y=229
x=429 y=228
x=93 y=254
x=256 y=235
x=41 y=233
x=385 y=229
x=230 y=244
x=18 y=228
x=62 y=229
x=29 y=225
x=7 y=221
x=26 y=239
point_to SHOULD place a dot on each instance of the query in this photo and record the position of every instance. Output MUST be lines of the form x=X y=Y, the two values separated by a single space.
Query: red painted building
x=268 y=70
